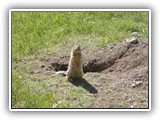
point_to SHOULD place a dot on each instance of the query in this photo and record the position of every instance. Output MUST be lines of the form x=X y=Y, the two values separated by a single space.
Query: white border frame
x=92 y=109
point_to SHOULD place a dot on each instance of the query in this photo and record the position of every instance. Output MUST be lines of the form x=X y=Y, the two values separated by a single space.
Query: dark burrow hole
x=91 y=66
x=97 y=64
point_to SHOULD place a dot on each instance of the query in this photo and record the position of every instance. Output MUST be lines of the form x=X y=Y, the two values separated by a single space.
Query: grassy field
x=33 y=32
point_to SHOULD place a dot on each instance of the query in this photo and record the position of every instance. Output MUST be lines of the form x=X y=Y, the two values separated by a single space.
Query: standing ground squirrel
x=75 y=66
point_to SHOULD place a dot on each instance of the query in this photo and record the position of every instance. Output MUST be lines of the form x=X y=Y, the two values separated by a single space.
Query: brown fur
x=75 y=67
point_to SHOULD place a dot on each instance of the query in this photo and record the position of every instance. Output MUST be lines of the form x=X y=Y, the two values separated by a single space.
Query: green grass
x=38 y=31
x=32 y=31
x=30 y=95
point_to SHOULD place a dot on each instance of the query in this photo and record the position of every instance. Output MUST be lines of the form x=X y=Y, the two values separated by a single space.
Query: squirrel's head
x=76 y=49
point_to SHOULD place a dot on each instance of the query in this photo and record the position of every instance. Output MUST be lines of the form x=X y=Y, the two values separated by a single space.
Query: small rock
x=136 y=84
x=132 y=106
x=133 y=41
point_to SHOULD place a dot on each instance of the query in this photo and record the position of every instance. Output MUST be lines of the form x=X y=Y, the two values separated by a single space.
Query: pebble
x=133 y=41
x=136 y=84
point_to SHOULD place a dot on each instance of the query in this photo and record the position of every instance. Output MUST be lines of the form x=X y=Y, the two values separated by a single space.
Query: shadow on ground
x=84 y=84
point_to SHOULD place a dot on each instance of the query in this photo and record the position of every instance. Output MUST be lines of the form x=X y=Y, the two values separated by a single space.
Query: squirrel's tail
x=62 y=73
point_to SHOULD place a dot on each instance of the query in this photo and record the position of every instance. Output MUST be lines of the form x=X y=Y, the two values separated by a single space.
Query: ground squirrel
x=75 y=66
